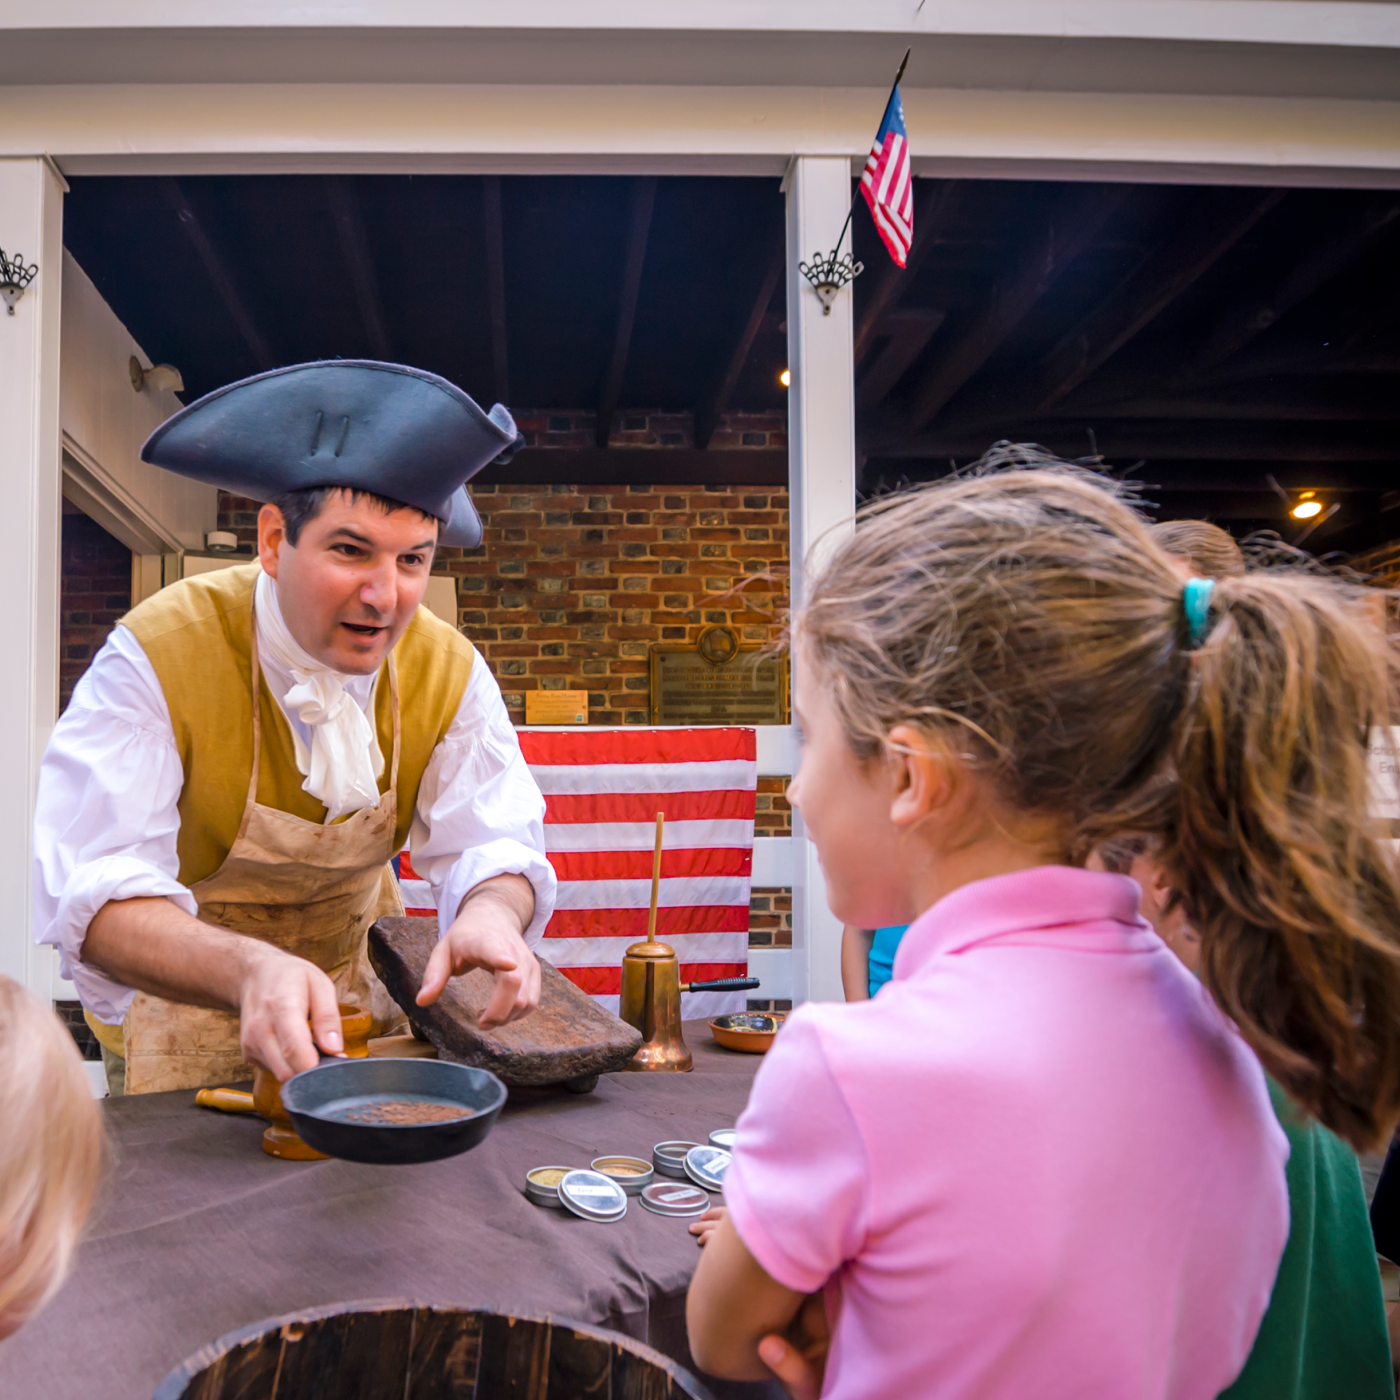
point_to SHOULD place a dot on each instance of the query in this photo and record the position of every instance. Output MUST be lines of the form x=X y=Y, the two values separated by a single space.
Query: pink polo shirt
x=1039 y=1163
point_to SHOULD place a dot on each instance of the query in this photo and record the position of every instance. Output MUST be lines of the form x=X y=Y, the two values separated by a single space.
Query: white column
x=822 y=484
x=31 y=224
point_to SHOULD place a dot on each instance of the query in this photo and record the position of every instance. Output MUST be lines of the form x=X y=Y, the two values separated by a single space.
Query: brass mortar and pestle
x=280 y=1139
x=652 y=987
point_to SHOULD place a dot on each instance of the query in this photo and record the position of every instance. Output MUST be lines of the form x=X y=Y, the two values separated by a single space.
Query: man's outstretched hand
x=488 y=932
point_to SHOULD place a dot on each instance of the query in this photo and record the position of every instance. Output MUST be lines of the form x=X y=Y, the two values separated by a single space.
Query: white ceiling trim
x=244 y=128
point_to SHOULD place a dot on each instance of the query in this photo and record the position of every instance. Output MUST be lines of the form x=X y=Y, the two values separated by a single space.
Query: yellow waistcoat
x=197 y=635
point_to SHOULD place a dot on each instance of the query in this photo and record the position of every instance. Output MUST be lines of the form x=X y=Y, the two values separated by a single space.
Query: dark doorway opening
x=1229 y=347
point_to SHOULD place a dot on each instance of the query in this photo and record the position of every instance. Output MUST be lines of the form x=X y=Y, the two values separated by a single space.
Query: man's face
x=350 y=585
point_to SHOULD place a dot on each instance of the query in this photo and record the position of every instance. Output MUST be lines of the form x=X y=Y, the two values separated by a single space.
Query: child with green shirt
x=1324 y=1335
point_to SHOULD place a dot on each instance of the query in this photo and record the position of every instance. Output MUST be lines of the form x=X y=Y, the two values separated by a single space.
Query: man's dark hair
x=299 y=508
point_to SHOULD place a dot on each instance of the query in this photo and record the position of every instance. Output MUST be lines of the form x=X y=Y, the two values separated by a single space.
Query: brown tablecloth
x=201 y=1232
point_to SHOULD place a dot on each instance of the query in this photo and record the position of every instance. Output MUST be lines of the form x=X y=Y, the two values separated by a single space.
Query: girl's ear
x=921 y=778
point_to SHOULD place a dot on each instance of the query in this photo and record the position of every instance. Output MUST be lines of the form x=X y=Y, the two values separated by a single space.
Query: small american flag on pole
x=602 y=790
x=887 y=181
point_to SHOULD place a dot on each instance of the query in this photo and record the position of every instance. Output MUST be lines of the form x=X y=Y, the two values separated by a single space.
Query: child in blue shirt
x=867 y=959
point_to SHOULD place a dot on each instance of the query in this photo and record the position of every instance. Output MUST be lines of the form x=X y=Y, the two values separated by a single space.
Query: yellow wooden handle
x=226 y=1100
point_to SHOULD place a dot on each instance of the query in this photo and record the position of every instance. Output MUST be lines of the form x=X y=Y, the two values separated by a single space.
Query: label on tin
x=673 y=1198
x=592 y=1195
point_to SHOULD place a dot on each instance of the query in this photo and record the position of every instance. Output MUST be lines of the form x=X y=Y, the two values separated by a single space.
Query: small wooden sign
x=718 y=681
x=556 y=707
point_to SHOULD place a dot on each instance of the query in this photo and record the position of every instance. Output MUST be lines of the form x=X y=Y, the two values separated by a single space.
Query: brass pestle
x=652 y=987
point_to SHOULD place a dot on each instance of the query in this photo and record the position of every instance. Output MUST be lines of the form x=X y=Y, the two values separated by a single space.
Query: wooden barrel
x=400 y=1350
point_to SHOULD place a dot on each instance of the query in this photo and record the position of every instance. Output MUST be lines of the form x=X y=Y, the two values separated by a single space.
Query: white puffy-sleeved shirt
x=106 y=821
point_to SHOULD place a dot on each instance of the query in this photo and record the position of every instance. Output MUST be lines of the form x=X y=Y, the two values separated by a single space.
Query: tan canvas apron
x=309 y=889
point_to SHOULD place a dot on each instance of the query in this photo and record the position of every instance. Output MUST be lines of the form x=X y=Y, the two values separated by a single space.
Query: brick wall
x=94 y=593
x=573 y=586
x=651 y=428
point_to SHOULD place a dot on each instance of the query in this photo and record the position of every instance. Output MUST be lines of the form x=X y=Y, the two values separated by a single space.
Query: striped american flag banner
x=887 y=182
x=602 y=790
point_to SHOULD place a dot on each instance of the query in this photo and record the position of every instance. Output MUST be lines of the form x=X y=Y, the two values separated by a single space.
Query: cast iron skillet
x=317 y=1100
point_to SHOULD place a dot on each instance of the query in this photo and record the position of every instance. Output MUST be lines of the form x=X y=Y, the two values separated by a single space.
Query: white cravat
x=344 y=763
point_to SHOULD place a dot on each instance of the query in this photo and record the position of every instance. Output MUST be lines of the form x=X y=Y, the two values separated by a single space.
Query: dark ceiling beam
x=354 y=248
x=935 y=203
x=1119 y=439
x=1202 y=479
x=708 y=414
x=907 y=330
x=1207 y=478
x=1043 y=258
x=496 y=284
x=1185 y=254
x=218 y=274
x=639 y=226
x=1356 y=354
x=644 y=466
x=1325 y=398
x=1251 y=315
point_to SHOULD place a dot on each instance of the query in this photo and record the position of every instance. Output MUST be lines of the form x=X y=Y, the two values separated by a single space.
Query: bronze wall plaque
x=718 y=681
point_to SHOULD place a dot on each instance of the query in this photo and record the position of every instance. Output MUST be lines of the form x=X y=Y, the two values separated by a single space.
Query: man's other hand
x=488 y=932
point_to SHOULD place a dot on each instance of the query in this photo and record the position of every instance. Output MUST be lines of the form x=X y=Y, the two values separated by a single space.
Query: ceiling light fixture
x=1305 y=510
x=785 y=378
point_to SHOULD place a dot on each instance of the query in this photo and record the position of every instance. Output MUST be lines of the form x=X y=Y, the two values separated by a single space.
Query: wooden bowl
x=751 y=1032
x=402 y=1348
x=281 y=1138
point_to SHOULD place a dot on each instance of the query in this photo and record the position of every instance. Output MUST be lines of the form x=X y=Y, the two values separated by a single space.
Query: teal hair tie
x=1195 y=598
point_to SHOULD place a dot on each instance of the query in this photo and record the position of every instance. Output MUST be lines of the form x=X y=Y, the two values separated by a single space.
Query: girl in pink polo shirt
x=1044 y=1163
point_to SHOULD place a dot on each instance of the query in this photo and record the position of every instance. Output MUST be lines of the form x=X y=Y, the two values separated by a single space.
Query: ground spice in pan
x=396 y=1113
x=621 y=1171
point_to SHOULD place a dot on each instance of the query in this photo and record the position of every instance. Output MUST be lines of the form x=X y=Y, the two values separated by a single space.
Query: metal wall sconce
x=154 y=376
x=830 y=273
x=14 y=278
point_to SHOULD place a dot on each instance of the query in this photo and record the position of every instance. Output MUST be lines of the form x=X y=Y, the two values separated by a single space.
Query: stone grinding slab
x=569 y=1039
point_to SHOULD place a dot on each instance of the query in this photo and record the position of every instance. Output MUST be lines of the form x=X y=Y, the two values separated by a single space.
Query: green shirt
x=1324 y=1335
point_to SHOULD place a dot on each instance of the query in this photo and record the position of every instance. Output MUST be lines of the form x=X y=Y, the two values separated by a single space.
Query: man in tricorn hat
x=219 y=804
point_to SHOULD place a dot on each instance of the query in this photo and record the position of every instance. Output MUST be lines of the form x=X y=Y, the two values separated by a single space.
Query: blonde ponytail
x=1287 y=878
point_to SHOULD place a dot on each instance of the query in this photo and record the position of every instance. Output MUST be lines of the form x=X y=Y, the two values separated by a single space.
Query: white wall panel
x=31 y=225
x=105 y=421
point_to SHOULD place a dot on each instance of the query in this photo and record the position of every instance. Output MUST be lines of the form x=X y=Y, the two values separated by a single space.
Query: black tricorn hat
x=390 y=429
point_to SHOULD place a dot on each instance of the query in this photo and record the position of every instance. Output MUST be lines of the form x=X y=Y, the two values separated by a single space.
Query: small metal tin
x=723 y=1137
x=669 y=1157
x=706 y=1166
x=675 y=1198
x=593 y=1196
x=636 y=1174
x=540 y=1192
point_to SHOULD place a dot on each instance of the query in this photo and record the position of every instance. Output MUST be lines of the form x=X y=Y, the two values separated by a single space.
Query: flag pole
x=830 y=273
x=894 y=87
